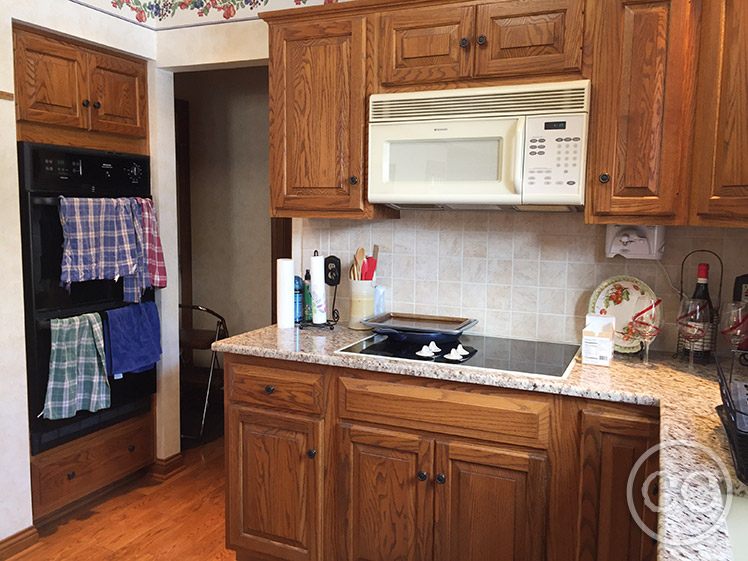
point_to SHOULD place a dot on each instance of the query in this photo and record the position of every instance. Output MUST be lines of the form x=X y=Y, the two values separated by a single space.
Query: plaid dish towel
x=98 y=239
x=153 y=250
x=134 y=285
x=77 y=368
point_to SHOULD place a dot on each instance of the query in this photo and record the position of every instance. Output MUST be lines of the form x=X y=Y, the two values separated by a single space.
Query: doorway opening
x=227 y=240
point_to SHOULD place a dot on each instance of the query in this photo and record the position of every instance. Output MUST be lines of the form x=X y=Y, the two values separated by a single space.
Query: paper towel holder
x=332 y=278
x=635 y=242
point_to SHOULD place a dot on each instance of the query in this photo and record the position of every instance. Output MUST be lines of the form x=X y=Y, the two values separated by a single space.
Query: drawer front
x=74 y=470
x=510 y=420
x=274 y=387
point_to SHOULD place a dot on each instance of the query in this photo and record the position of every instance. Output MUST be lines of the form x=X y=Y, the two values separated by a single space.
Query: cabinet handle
x=482 y=40
x=85 y=103
x=353 y=180
x=311 y=453
x=97 y=104
x=422 y=476
x=604 y=177
x=441 y=479
x=71 y=474
x=655 y=489
x=269 y=389
x=464 y=42
x=131 y=448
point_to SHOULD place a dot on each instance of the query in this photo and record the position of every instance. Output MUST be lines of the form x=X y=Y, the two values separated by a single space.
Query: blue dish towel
x=132 y=338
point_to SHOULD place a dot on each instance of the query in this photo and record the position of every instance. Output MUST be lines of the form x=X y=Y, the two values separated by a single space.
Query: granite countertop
x=693 y=442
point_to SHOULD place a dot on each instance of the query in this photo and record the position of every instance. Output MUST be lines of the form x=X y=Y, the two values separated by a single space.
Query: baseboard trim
x=163 y=469
x=18 y=542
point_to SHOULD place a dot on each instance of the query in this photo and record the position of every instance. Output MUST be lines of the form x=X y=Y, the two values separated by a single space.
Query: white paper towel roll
x=319 y=304
x=285 y=293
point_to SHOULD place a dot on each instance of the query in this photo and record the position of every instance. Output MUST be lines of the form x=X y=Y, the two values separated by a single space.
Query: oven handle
x=45 y=201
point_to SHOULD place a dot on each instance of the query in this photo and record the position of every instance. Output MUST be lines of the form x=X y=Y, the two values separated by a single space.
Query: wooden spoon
x=358 y=260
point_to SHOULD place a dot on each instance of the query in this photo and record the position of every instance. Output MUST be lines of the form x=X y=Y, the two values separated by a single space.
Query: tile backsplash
x=524 y=275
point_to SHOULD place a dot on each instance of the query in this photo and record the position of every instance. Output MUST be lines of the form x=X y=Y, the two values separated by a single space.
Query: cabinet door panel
x=424 y=45
x=317 y=104
x=492 y=504
x=389 y=511
x=611 y=445
x=535 y=37
x=274 y=488
x=642 y=103
x=119 y=86
x=720 y=171
x=50 y=81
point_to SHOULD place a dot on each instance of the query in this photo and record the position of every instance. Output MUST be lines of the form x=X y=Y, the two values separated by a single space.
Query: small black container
x=734 y=411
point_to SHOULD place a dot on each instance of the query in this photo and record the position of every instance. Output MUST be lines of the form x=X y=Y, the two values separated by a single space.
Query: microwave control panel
x=554 y=159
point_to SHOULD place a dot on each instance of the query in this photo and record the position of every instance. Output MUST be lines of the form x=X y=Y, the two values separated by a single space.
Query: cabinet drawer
x=493 y=418
x=273 y=387
x=74 y=470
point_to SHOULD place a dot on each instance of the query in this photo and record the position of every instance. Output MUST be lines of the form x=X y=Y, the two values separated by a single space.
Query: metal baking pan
x=420 y=323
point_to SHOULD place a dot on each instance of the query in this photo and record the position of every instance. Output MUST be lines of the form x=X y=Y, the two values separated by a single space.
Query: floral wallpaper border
x=160 y=10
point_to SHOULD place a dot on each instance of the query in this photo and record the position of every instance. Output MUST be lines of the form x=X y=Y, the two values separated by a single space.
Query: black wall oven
x=46 y=172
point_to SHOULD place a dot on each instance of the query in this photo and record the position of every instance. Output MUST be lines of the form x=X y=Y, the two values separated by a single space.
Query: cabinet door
x=51 y=83
x=274 y=492
x=642 y=109
x=427 y=45
x=610 y=446
x=118 y=95
x=530 y=37
x=386 y=494
x=490 y=503
x=317 y=118
x=720 y=166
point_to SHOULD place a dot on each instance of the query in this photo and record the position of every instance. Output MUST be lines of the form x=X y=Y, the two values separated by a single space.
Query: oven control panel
x=554 y=159
x=77 y=171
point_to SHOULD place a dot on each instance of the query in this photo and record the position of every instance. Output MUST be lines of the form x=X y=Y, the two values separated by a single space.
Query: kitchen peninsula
x=396 y=459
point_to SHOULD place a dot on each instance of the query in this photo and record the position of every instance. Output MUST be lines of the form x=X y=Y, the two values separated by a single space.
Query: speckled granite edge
x=688 y=420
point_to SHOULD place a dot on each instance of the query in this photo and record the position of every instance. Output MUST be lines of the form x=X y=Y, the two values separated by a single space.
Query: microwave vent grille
x=475 y=105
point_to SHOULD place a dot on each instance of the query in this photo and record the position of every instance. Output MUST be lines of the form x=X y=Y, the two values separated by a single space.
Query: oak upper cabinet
x=385 y=494
x=489 y=500
x=610 y=448
x=118 y=96
x=274 y=496
x=643 y=67
x=719 y=195
x=317 y=117
x=51 y=80
x=506 y=38
x=60 y=83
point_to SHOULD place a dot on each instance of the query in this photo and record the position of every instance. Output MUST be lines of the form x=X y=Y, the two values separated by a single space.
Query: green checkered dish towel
x=77 y=367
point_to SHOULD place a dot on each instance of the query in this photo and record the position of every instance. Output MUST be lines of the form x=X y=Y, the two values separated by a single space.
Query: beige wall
x=525 y=275
x=230 y=198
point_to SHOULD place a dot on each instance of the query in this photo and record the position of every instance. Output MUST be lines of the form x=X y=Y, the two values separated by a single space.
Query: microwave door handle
x=519 y=154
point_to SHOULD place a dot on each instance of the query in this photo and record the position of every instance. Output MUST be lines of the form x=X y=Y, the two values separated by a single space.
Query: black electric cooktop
x=514 y=355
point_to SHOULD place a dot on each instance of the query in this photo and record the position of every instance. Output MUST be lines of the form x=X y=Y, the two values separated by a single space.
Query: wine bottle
x=702 y=349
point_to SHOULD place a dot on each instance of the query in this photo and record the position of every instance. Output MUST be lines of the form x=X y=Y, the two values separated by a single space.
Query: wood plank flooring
x=181 y=519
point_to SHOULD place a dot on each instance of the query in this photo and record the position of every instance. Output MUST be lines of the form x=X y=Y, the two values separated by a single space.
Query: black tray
x=733 y=416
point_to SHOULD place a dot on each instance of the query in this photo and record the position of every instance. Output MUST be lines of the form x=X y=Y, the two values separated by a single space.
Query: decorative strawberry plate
x=616 y=297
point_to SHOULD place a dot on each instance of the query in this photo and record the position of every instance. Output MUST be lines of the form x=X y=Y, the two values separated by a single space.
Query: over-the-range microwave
x=488 y=147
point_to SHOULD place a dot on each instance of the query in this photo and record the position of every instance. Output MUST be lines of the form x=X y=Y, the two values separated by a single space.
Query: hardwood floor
x=181 y=519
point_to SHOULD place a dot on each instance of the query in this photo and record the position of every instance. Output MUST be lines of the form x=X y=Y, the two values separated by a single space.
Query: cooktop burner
x=514 y=355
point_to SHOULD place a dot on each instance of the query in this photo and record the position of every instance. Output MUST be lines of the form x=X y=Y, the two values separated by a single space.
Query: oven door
x=46 y=264
x=447 y=162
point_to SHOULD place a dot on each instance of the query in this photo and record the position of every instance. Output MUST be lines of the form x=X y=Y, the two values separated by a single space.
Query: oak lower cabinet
x=610 y=447
x=720 y=166
x=328 y=463
x=274 y=503
x=643 y=76
x=490 y=503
